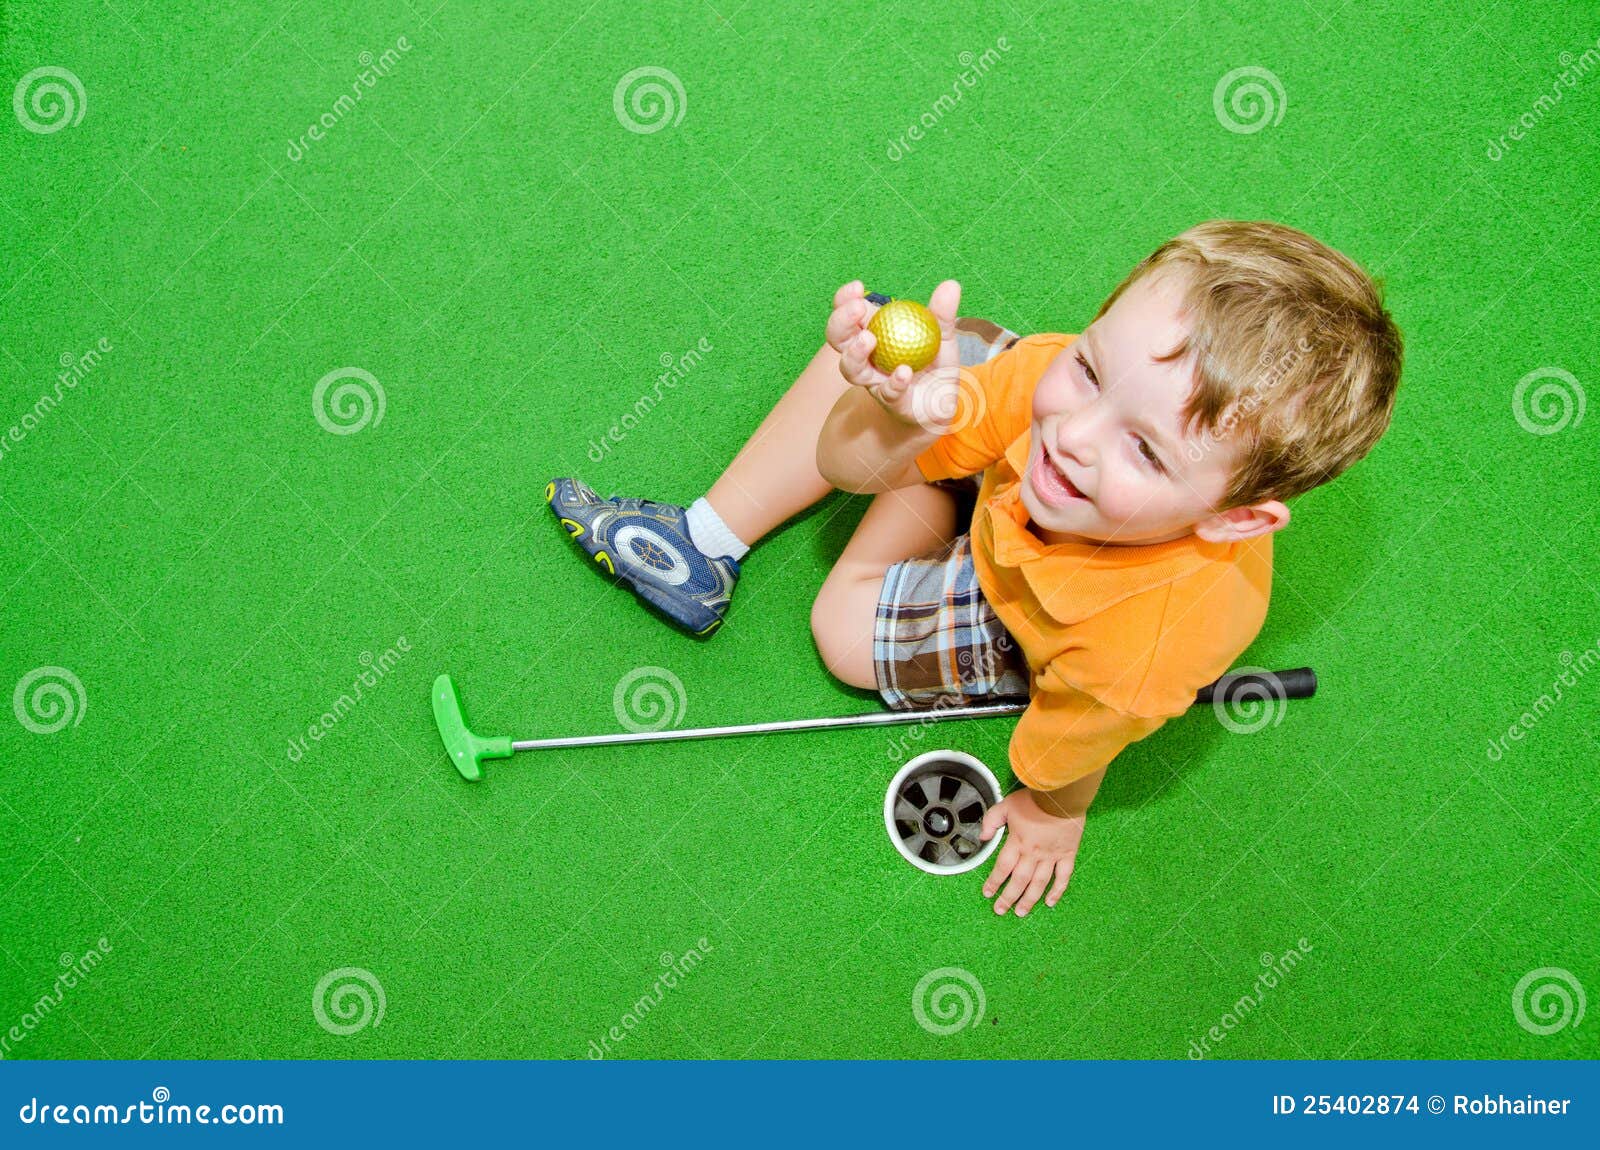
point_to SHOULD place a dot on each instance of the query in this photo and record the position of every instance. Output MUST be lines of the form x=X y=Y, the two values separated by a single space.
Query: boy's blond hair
x=1294 y=356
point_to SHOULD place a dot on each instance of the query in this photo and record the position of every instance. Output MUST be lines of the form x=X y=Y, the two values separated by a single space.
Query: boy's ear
x=1238 y=523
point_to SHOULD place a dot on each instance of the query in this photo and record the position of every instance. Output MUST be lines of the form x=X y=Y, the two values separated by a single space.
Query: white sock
x=711 y=535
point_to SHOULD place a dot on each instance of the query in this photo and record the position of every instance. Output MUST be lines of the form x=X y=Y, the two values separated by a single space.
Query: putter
x=468 y=751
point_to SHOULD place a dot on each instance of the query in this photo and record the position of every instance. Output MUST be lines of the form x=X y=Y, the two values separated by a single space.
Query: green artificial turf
x=514 y=267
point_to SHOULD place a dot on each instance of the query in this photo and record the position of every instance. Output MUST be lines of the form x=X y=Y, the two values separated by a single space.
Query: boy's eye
x=1149 y=454
x=1088 y=371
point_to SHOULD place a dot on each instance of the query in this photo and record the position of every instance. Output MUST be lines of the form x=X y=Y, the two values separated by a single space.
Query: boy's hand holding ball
x=890 y=352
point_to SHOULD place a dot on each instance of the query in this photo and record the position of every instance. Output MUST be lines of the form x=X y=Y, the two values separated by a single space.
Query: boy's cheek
x=1049 y=398
x=1129 y=502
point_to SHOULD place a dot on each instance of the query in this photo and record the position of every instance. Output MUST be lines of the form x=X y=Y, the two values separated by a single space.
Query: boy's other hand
x=929 y=398
x=1040 y=846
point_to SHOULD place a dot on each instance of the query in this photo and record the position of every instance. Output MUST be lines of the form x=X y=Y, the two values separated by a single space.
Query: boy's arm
x=1059 y=751
x=865 y=449
x=1045 y=830
x=875 y=431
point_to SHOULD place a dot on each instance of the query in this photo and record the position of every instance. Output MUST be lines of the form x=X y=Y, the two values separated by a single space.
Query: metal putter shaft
x=467 y=750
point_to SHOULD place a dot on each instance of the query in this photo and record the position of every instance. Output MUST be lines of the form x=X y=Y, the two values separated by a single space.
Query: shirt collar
x=1074 y=581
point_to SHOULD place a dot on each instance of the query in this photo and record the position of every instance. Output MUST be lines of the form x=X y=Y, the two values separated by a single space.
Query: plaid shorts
x=936 y=640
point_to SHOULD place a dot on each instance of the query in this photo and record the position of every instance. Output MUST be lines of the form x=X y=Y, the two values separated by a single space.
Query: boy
x=1118 y=557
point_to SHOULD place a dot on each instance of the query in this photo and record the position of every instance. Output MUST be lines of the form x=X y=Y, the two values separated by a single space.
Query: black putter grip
x=1295 y=683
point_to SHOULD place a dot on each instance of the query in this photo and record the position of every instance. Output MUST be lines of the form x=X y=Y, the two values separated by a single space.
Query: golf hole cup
x=934 y=811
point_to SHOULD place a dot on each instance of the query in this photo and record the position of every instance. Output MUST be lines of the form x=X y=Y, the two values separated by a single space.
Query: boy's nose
x=1075 y=438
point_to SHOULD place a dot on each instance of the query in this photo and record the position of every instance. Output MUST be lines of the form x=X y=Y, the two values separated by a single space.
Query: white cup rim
x=978 y=766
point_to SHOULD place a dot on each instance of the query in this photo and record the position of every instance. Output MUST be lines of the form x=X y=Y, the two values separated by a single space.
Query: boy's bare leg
x=898 y=525
x=774 y=477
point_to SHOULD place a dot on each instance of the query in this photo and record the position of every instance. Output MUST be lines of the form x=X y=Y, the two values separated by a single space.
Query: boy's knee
x=843 y=644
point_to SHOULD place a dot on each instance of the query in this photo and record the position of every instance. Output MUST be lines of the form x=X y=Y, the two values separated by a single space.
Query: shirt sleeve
x=999 y=398
x=1066 y=734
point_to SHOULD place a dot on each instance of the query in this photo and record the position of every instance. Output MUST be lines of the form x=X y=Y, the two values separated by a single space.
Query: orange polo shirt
x=1118 y=638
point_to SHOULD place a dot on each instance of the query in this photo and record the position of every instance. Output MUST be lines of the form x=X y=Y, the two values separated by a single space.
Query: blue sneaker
x=646 y=545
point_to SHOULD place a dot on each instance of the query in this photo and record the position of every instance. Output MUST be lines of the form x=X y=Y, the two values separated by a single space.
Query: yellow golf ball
x=907 y=333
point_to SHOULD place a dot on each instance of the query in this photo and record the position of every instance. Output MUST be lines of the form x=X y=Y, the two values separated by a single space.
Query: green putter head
x=466 y=750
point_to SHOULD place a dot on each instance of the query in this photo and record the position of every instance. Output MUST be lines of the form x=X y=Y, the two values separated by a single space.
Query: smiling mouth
x=1052 y=484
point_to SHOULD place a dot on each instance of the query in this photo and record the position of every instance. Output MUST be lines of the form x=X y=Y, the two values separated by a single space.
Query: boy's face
x=1109 y=460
